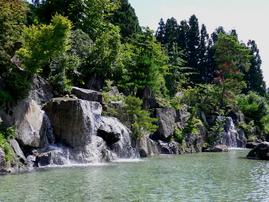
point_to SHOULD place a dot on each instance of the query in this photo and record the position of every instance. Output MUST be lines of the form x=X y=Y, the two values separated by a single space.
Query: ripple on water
x=196 y=177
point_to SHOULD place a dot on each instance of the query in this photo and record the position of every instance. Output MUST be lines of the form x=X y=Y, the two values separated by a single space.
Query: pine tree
x=160 y=33
x=126 y=19
x=254 y=76
x=203 y=55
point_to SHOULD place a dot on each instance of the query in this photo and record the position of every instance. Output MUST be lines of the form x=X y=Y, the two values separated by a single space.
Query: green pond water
x=193 y=177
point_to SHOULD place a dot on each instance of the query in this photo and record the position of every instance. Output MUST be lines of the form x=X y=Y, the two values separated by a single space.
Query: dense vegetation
x=90 y=43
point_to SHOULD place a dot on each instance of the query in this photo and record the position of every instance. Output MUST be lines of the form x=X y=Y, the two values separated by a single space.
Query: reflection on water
x=196 y=177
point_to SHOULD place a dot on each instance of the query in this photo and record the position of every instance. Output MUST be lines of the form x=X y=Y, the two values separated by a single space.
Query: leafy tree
x=89 y=15
x=231 y=58
x=126 y=19
x=145 y=64
x=254 y=76
x=44 y=42
x=141 y=122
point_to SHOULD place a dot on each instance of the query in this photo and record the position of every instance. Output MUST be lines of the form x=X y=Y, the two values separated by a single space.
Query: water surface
x=193 y=177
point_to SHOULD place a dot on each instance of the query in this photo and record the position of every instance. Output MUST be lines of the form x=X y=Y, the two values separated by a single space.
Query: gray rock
x=147 y=147
x=251 y=145
x=117 y=136
x=86 y=94
x=182 y=116
x=260 y=152
x=29 y=122
x=73 y=120
x=169 y=147
x=40 y=90
x=16 y=147
x=218 y=148
x=167 y=123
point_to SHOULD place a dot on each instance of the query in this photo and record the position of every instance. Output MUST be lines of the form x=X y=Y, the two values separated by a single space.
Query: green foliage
x=193 y=126
x=256 y=109
x=126 y=19
x=178 y=135
x=145 y=64
x=12 y=17
x=44 y=42
x=215 y=131
x=141 y=122
x=204 y=97
x=5 y=135
x=249 y=129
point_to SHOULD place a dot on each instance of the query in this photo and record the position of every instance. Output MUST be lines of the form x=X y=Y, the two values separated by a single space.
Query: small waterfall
x=232 y=137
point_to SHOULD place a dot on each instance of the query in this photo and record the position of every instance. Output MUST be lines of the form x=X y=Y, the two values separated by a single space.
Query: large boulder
x=218 y=148
x=117 y=137
x=87 y=94
x=73 y=120
x=147 y=147
x=260 y=152
x=16 y=148
x=166 y=123
x=31 y=124
x=169 y=147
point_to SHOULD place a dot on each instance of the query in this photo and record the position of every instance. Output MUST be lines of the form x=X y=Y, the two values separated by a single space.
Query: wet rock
x=16 y=147
x=73 y=120
x=251 y=145
x=194 y=143
x=169 y=147
x=117 y=136
x=218 y=148
x=87 y=94
x=147 y=147
x=260 y=152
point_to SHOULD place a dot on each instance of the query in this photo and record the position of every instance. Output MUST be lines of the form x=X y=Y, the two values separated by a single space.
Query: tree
x=254 y=76
x=89 y=15
x=126 y=19
x=12 y=19
x=145 y=64
x=160 y=33
x=43 y=42
x=203 y=55
x=231 y=58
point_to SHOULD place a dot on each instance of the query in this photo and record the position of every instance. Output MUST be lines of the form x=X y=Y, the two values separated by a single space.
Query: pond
x=191 y=177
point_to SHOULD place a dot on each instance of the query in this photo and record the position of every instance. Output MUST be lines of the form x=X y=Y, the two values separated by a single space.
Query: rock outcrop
x=260 y=152
x=87 y=94
x=147 y=147
x=31 y=125
x=218 y=148
x=87 y=135
x=16 y=148
x=117 y=137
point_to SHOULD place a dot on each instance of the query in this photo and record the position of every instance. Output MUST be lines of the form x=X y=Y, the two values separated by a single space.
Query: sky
x=248 y=17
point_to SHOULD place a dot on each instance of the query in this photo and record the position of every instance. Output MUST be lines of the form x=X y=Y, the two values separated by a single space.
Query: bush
x=178 y=135
x=5 y=135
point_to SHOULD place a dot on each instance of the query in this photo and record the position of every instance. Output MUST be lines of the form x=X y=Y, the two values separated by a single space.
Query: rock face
x=73 y=120
x=167 y=123
x=260 y=152
x=169 y=147
x=16 y=148
x=87 y=135
x=117 y=137
x=147 y=147
x=40 y=91
x=31 y=124
x=86 y=94
x=231 y=137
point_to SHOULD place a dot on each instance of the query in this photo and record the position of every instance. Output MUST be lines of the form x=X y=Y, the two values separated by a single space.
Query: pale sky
x=248 y=17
